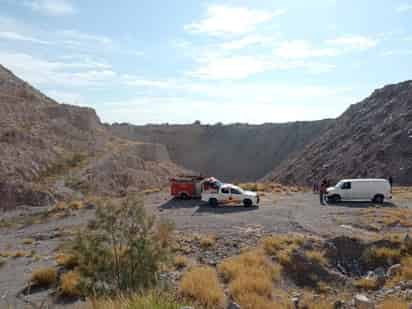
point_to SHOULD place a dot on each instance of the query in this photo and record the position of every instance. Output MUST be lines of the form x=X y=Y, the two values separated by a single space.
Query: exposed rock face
x=237 y=152
x=42 y=141
x=372 y=138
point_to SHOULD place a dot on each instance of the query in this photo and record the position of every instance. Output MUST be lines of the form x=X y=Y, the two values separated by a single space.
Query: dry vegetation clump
x=45 y=276
x=275 y=244
x=180 y=261
x=250 y=276
x=150 y=191
x=67 y=260
x=201 y=285
x=149 y=300
x=367 y=284
x=405 y=273
x=382 y=256
x=69 y=284
x=316 y=257
x=393 y=303
x=18 y=254
x=2 y=262
x=207 y=241
x=270 y=187
x=28 y=241
x=387 y=217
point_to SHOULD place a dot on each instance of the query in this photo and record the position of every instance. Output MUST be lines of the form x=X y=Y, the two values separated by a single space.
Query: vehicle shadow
x=223 y=209
x=176 y=203
x=362 y=204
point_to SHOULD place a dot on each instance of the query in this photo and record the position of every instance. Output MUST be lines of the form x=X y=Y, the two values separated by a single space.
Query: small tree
x=122 y=251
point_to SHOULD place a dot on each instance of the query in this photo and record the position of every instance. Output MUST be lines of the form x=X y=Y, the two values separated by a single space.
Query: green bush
x=123 y=252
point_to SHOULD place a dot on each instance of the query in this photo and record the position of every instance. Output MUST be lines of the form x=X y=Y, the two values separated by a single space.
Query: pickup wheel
x=213 y=202
x=378 y=198
x=247 y=202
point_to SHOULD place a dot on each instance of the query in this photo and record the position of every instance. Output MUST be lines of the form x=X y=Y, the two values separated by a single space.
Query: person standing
x=322 y=192
x=390 y=182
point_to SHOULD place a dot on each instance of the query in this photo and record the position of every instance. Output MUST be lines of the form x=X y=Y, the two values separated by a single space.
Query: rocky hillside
x=237 y=152
x=50 y=150
x=372 y=138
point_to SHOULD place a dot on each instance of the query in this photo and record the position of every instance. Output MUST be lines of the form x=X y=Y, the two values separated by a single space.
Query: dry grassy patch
x=69 y=261
x=201 y=285
x=28 y=241
x=379 y=256
x=250 y=276
x=270 y=187
x=150 y=300
x=69 y=284
x=207 y=242
x=394 y=304
x=316 y=257
x=180 y=261
x=367 y=284
x=276 y=244
x=387 y=217
x=44 y=276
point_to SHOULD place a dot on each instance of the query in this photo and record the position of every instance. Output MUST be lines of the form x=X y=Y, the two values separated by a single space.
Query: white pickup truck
x=228 y=194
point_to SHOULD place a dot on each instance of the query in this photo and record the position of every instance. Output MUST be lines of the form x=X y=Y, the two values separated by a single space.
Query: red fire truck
x=188 y=186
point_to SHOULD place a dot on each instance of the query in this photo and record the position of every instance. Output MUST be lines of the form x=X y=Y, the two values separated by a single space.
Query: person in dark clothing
x=322 y=191
x=391 y=182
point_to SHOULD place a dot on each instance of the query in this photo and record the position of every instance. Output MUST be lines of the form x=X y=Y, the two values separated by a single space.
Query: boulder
x=393 y=270
x=363 y=302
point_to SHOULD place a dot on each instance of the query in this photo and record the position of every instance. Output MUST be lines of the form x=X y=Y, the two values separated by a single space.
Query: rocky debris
x=370 y=139
x=23 y=194
x=363 y=302
x=233 y=305
x=393 y=270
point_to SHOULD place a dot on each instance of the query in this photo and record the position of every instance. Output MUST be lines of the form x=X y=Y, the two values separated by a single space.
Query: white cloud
x=303 y=49
x=77 y=38
x=223 y=19
x=236 y=102
x=45 y=73
x=353 y=42
x=236 y=67
x=14 y=36
x=246 y=41
x=51 y=7
x=404 y=7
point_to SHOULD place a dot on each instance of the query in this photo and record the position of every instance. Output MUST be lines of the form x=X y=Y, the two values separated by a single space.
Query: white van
x=375 y=190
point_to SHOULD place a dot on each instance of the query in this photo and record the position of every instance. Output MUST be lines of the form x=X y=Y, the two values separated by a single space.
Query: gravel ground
x=277 y=213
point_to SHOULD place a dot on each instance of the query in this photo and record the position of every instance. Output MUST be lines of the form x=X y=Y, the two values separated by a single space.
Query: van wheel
x=213 y=202
x=335 y=199
x=378 y=199
x=247 y=203
x=184 y=196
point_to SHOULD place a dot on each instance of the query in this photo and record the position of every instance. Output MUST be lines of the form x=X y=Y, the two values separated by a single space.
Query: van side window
x=346 y=186
x=225 y=190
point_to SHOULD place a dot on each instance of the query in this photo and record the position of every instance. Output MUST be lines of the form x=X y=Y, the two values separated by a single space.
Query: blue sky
x=214 y=61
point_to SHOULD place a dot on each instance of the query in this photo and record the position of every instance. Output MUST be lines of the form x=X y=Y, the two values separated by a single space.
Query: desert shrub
x=273 y=245
x=18 y=254
x=123 y=252
x=67 y=260
x=69 y=284
x=180 y=261
x=44 y=276
x=207 y=242
x=201 y=285
x=381 y=256
x=2 y=262
x=250 y=276
x=149 y=300
x=28 y=241
x=393 y=303
x=367 y=284
x=316 y=257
